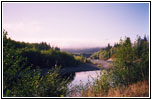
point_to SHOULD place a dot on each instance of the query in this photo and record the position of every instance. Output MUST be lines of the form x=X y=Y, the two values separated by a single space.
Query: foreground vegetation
x=23 y=64
x=138 y=89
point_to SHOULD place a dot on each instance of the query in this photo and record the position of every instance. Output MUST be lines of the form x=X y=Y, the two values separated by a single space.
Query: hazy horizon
x=75 y=25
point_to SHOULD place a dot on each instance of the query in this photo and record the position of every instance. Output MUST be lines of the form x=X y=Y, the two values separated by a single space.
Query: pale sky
x=75 y=25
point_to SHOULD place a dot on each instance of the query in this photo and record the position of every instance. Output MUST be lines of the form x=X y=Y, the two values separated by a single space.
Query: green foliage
x=131 y=61
x=15 y=44
x=55 y=57
x=52 y=84
x=41 y=46
x=41 y=54
x=12 y=67
x=104 y=53
x=95 y=55
x=19 y=80
x=22 y=65
x=141 y=50
x=131 y=66
x=101 y=83
x=81 y=59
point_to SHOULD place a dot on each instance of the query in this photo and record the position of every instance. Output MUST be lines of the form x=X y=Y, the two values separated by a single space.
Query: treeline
x=110 y=51
x=40 y=54
x=22 y=66
x=17 y=44
x=131 y=59
x=83 y=50
x=105 y=53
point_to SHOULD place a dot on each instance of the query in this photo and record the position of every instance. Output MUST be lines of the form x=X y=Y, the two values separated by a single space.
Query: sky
x=75 y=25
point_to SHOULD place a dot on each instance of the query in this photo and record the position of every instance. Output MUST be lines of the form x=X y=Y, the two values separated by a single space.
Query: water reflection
x=84 y=77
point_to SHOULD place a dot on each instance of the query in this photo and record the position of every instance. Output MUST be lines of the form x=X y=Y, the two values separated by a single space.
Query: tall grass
x=139 y=89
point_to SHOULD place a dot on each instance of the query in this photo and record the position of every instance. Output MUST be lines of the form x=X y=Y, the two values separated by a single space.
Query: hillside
x=85 y=50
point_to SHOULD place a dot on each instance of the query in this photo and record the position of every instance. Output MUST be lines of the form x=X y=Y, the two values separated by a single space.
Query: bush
x=129 y=66
x=21 y=80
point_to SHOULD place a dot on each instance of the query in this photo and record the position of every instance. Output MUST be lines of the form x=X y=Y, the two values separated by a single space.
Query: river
x=84 y=77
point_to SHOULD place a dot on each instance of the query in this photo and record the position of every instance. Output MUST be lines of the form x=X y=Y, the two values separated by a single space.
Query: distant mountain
x=85 y=50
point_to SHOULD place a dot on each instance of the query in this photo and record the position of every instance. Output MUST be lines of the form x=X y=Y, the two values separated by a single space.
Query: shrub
x=129 y=66
x=20 y=80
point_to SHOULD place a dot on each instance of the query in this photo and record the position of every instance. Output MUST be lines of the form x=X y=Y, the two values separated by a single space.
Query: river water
x=83 y=77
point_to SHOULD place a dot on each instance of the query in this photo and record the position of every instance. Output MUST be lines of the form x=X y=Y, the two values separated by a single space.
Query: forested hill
x=139 y=46
x=36 y=54
x=85 y=50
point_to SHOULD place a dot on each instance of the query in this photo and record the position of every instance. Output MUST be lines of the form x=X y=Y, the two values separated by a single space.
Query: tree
x=123 y=70
x=20 y=80
x=142 y=56
x=56 y=48
x=131 y=62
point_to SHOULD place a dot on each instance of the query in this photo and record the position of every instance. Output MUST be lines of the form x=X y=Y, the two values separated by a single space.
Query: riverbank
x=80 y=68
x=102 y=63
x=94 y=65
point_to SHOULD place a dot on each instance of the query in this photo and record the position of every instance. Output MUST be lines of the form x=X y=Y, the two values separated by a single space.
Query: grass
x=139 y=89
